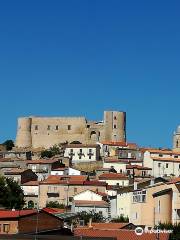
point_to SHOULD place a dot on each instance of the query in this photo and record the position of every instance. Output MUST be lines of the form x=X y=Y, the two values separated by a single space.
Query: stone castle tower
x=176 y=139
x=35 y=132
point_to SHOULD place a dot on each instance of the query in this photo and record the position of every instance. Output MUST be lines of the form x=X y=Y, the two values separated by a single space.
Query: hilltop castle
x=35 y=132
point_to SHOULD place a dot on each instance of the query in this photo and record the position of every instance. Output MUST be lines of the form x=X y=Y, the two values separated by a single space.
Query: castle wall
x=46 y=131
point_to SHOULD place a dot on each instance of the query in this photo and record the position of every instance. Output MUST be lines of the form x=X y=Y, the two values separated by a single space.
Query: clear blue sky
x=84 y=57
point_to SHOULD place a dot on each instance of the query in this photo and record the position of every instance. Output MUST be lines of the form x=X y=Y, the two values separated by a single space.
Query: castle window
x=48 y=127
x=89 y=156
x=36 y=127
x=167 y=165
x=115 y=126
x=69 y=127
x=115 y=117
x=177 y=143
x=80 y=150
x=57 y=127
x=159 y=165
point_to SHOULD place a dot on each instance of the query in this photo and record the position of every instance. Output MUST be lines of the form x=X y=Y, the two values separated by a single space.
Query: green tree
x=96 y=217
x=120 y=218
x=11 y=194
x=9 y=144
x=55 y=204
x=52 y=151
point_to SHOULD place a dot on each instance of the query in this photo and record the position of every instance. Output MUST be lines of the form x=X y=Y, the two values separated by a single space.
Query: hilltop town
x=84 y=178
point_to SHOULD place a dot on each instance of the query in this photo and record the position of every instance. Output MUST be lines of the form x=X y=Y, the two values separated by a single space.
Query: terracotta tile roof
x=112 y=176
x=14 y=171
x=118 y=234
x=31 y=183
x=65 y=179
x=95 y=183
x=42 y=161
x=15 y=214
x=90 y=203
x=135 y=166
x=161 y=151
x=115 y=159
x=108 y=226
x=120 y=144
x=53 y=210
x=163 y=159
x=59 y=169
x=174 y=180
x=82 y=146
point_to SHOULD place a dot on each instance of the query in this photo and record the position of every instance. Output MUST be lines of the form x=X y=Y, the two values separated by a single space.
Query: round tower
x=23 y=137
x=176 y=139
x=115 y=126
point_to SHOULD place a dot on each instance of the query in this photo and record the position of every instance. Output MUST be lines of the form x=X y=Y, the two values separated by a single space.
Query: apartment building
x=157 y=203
x=63 y=188
x=162 y=162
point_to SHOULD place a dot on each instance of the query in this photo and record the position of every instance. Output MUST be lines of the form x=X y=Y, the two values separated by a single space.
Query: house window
x=115 y=126
x=79 y=156
x=159 y=206
x=90 y=157
x=69 y=127
x=48 y=127
x=75 y=190
x=36 y=127
x=160 y=155
x=6 y=228
x=167 y=165
x=57 y=127
x=139 y=196
x=179 y=166
x=100 y=212
x=70 y=199
x=90 y=150
x=175 y=156
x=71 y=150
x=80 y=150
x=159 y=165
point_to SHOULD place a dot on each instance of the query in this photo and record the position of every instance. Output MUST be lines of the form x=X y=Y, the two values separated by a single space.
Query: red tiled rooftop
x=42 y=161
x=110 y=225
x=64 y=179
x=53 y=210
x=90 y=203
x=118 y=234
x=174 y=180
x=120 y=144
x=31 y=183
x=164 y=159
x=15 y=214
x=135 y=166
x=14 y=171
x=112 y=176
x=121 y=160
x=82 y=146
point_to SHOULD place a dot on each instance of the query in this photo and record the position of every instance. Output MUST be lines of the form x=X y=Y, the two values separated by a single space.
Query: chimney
x=152 y=182
x=90 y=223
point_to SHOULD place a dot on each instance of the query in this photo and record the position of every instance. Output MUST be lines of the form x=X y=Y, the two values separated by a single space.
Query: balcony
x=52 y=194
x=30 y=194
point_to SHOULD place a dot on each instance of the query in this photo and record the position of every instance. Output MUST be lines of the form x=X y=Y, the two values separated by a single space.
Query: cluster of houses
x=141 y=184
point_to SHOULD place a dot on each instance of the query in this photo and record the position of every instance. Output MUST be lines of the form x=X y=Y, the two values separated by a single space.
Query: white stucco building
x=163 y=162
x=82 y=152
